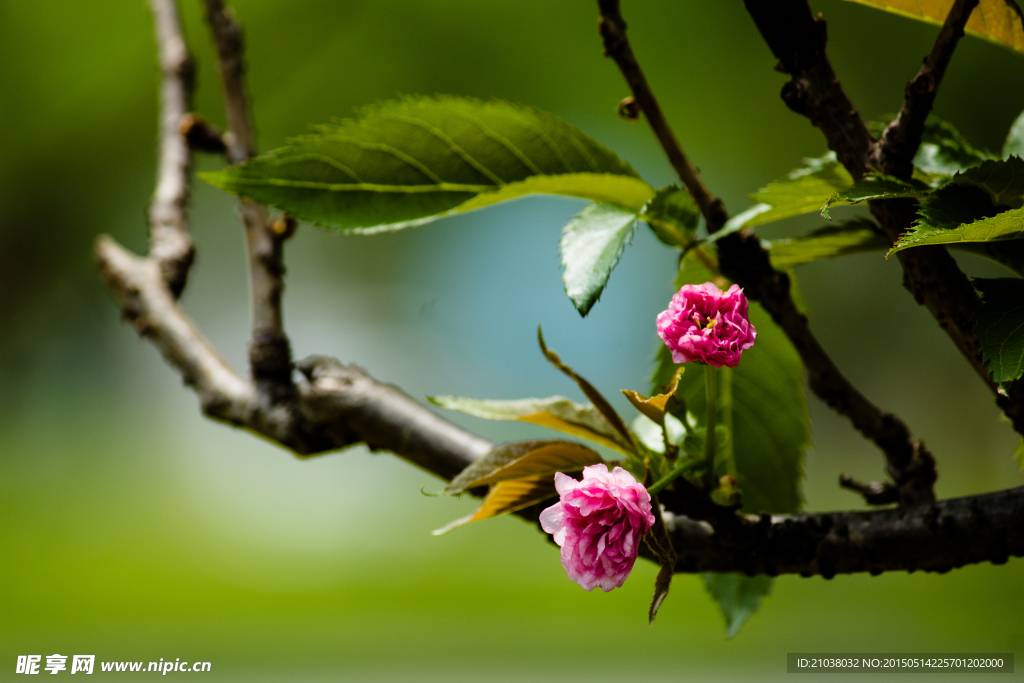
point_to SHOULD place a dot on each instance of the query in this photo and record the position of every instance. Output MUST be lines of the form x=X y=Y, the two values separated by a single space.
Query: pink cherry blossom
x=704 y=324
x=599 y=523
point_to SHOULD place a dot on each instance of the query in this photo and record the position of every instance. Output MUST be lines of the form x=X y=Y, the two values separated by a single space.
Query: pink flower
x=704 y=324
x=599 y=523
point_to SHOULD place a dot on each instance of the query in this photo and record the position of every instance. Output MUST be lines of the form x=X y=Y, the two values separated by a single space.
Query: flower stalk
x=711 y=389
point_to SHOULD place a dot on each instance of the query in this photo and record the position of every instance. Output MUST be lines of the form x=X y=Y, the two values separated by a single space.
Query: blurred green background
x=132 y=528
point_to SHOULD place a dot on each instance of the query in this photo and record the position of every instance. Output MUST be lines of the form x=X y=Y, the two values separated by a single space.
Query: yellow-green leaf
x=508 y=496
x=524 y=459
x=555 y=412
x=997 y=21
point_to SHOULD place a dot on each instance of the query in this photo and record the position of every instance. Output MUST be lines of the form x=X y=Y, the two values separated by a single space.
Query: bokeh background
x=132 y=528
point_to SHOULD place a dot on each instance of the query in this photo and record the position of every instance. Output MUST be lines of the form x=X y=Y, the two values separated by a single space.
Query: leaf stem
x=710 y=386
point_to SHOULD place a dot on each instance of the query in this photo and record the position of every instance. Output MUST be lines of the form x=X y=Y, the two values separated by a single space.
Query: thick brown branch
x=616 y=46
x=894 y=152
x=935 y=537
x=798 y=40
x=170 y=244
x=270 y=357
x=745 y=261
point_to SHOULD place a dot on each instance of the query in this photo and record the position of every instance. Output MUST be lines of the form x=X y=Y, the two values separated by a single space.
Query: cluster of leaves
x=969 y=199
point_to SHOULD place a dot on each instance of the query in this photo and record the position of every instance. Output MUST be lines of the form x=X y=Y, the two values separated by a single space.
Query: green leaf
x=508 y=496
x=673 y=216
x=854 y=236
x=739 y=596
x=875 y=186
x=411 y=161
x=945 y=151
x=803 y=190
x=556 y=412
x=1008 y=225
x=997 y=21
x=1014 y=145
x=592 y=243
x=999 y=327
x=973 y=207
x=762 y=400
x=768 y=408
x=523 y=459
x=1018 y=452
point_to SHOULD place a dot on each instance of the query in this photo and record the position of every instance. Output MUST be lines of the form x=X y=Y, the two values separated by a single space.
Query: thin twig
x=744 y=261
x=894 y=152
x=169 y=241
x=875 y=492
x=270 y=358
x=616 y=46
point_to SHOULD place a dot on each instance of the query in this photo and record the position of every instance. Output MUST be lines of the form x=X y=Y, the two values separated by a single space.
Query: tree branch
x=169 y=242
x=744 y=261
x=616 y=46
x=935 y=537
x=270 y=356
x=798 y=40
x=931 y=275
x=894 y=152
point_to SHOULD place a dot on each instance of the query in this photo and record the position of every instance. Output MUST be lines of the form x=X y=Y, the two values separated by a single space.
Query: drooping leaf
x=660 y=543
x=1014 y=145
x=1018 y=452
x=653 y=408
x=673 y=216
x=997 y=21
x=999 y=327
x=945 y=151
x=410 y=161
x=738 y=595
x=854 y=236
x=508 y=496
x=875 y=186
x=599 y=401
x=1009 y=253
x=803 y=190
x=524 y=459
x=662 y=582
x=957 y=212
x=656 y=406
x=555 y=412
x=591 y=245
